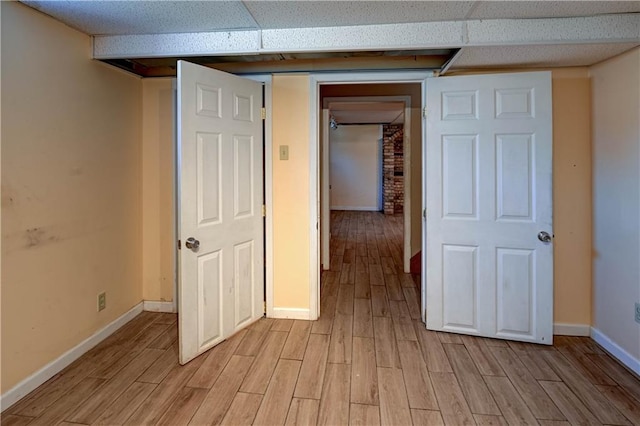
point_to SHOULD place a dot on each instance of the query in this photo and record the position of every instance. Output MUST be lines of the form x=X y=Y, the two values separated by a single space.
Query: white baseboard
x=616 y=351
x=561 y=329
x=356 y=208
x=155 y=306
x=290 y=313
x=20 y=390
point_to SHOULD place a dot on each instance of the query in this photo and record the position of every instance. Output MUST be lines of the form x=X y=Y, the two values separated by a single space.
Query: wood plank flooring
x=367 y=361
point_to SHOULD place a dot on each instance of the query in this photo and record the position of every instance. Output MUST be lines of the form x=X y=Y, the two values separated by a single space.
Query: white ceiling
x=543 y=35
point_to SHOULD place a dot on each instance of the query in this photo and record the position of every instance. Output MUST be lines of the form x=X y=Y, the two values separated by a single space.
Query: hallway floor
x=368 y=360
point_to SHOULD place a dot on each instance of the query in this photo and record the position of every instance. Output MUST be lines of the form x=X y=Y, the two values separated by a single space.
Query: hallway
x=368 y=360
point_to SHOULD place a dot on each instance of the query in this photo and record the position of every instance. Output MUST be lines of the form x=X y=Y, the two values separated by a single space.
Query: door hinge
x=424 y=112
x=264 y=306
x=424 y=213
x=179 y=245
x=264 y=211
x=263 y=113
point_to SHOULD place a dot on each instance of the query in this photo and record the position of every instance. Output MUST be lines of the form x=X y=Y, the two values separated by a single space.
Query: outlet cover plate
x=638 y=312
x=102 y=301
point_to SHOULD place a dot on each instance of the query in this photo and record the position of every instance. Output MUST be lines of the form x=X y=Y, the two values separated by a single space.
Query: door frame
x=315 y=109
x=266 y=80
x=406 y=154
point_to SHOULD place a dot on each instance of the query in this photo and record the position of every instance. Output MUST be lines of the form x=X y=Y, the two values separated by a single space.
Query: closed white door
x=488 y=197
x=220 y=200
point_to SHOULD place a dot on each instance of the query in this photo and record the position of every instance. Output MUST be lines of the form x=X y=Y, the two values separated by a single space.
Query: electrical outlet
x=102 y=301
x=638 y=312
x=284 y=152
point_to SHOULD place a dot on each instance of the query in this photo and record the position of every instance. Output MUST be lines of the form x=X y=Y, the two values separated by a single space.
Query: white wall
x=355 y=168
x=616 y=205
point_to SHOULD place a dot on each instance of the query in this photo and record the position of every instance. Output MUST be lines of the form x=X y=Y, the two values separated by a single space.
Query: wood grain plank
x=152 y=409
x=394 y=405
x=394 y=290
x=258 y=376
x=164 y=340
x=183 y=407
x=348 y=273
x=449 y=338
x=282 y=325
x=379 y=302
x=254 y=338
x=219 y=398
x=513 y=407
x=453 y=406
x=386 y=348
x=243 y=409
x=303 y=412
x=416 y=377
x=386 y=262
x=334 y=403
x=341 y=339
x=586 y=367
x=536 y=398
x=324 y=324
x=126 y=404
x=473 y=387
x=362 y=265
x=313 y=368
x=364 y=377
x=92 y=408
x=624 y=402
x=413 y=302
x=590 y=396
x=215 y=361
x=362 y=318
x=399 y=309
x=296 y=342
x=574 y=410
x=403 y=327
x=487 y=420
x=14 y=420
x=364 y=415
x=482 y=357
x=160 y=367
x=426 y=417
x=618 y=373
x=345 y=300
x=68 y=403
x=376 y=277
x=432 y=350
x=362 y=288
x=277 y=398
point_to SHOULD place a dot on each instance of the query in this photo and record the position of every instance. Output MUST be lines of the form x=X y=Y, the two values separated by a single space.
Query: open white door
x=488 y=196
x=221 y=287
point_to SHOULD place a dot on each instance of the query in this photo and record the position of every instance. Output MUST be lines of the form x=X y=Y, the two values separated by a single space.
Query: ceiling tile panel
x=550 y=9
x=305 y=14
x=148 y=17
x=558 y=55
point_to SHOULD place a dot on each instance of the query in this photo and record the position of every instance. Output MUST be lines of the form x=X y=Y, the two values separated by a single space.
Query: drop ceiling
x=147 y=37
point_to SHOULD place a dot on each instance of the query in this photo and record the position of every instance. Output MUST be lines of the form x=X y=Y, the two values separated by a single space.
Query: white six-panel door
x=220 y=206
x=488 y=195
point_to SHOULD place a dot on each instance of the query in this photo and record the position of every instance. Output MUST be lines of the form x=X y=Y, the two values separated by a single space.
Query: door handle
x=544 y=237
x=192 y=243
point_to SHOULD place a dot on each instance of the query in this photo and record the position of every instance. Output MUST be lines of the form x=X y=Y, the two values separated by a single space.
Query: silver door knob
x=544 y=237
x=192 y=243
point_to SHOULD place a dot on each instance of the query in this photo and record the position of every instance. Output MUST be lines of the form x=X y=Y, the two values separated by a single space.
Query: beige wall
x=616 y=201
x=572 y=196
x=158 y=175
x=291 y=227
x=70 y=191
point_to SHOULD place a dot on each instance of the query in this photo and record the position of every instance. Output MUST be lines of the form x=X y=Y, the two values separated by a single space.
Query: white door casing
x=220 y=154
x=488 y=195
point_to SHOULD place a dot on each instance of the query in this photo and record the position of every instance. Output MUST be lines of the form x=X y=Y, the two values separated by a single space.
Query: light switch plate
x=638 y=312
x=284 y=152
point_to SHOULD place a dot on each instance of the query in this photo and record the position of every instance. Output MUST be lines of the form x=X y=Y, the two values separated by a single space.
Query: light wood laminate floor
x=368 y=360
